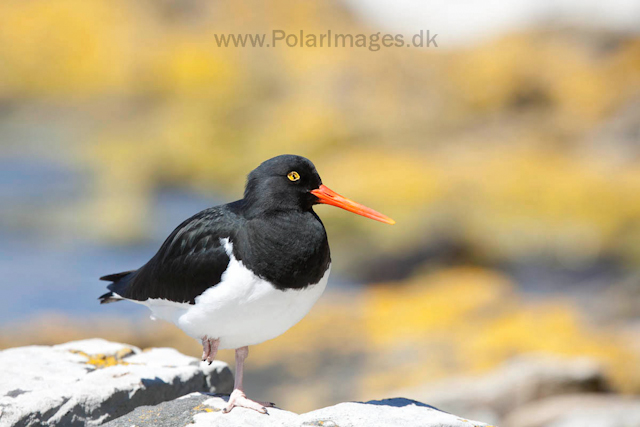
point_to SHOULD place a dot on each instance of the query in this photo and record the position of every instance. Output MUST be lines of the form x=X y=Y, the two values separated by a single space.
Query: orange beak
x=329 y=197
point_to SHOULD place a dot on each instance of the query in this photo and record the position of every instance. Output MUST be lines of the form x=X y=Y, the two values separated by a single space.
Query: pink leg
x=214 y=349
x=238 y=398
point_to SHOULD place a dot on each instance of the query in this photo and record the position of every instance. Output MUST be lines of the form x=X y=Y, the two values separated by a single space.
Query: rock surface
x=520 y=381
x=205 y=410
x=92 y=381
x=579 y=410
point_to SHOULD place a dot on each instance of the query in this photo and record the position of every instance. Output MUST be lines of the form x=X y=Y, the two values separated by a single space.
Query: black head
x=283 y=183
x=291 y=183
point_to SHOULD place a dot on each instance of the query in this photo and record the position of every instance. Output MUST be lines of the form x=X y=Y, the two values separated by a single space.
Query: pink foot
x=209 y=349
x=240 y=400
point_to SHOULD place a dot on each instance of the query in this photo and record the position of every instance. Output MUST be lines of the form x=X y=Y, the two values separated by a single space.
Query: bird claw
x=240 y=400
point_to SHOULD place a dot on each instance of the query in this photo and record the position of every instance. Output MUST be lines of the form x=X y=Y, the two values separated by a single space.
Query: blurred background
x=509 y=156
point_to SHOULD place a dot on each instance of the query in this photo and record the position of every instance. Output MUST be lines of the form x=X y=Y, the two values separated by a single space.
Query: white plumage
x=242 y=309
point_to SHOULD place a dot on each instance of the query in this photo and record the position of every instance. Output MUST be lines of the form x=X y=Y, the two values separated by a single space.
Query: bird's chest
x=244 y=309
x=287 y=255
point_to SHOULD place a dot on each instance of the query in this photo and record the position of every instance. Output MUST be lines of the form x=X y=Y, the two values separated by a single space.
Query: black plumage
x=274 y=232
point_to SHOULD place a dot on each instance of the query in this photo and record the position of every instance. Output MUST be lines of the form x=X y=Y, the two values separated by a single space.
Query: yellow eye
x=293 y=176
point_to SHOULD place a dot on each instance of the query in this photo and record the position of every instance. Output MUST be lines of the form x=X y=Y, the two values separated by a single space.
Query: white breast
x=242 y=309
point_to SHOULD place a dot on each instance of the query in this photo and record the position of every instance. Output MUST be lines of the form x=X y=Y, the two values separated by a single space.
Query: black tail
x=115 y=278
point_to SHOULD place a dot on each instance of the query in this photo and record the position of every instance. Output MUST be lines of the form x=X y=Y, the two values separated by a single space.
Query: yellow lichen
x=105 y=360
x=202 y=407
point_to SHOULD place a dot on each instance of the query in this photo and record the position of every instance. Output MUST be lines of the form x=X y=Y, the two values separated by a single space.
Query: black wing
x=191 y=260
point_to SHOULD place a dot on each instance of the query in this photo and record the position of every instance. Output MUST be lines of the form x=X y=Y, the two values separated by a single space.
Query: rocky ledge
x=96 y=382
x=93 y=381
x=202 y=410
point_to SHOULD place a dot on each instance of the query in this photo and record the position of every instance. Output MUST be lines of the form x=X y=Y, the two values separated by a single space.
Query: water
x=45 y=269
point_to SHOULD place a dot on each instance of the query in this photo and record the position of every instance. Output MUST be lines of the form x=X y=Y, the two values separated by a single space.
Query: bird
x=242 y=273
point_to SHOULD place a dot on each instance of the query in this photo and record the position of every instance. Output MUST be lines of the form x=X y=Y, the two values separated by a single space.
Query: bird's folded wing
x=191 y=260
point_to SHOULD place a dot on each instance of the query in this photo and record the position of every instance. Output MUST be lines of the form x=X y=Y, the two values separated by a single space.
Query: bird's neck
x=273 y=203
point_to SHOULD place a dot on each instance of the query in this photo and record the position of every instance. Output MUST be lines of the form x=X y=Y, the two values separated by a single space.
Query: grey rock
x=388 y=412
x=593 y=410
x=92 y=381
x=523 y=379
x=203 y=410
x=177 y=412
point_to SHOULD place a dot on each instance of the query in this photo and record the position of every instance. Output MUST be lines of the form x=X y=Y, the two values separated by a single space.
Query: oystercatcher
x=242 y=273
